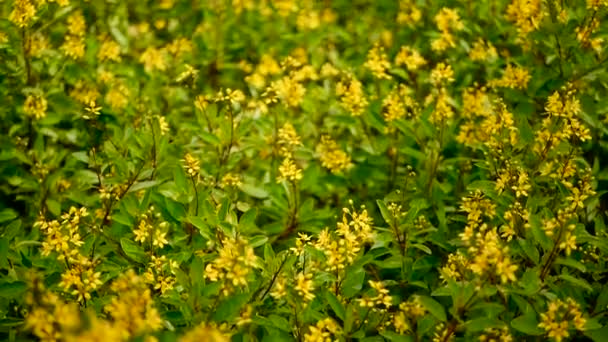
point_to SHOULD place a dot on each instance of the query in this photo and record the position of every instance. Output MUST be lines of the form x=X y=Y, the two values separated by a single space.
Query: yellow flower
x=378 y=63
x=289 y=171
x=35 y=106
x=153 y=59
x=305 y=286
x=23 y=13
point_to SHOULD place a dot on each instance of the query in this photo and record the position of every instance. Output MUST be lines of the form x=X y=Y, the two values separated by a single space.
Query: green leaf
x=571 y=263
x=143 y=185
x=258 y=241
x=7 y=215
x=230 y=307
x=576 y=282
x=386 y=214
x=482 y=323
x=335 y=305
x=527 y=324
x=132 y=250
x=434 y=307
x=254 y=191
x=12 y=290
x=353 y=282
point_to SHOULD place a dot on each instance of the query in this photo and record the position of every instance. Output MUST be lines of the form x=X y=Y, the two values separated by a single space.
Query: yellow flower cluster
x=153 y=59
x=407 y=315
x=410 y=57
x=50 y=318
x=289 y=171
x=206 y=332
x=73 y=45
x=305 y=286
x=161 y=273
x=288 y=140
x=398 y=104
x=23 y=13
x=514 y=77
x=149 y=230
x=482 y=51
x=527 y=16
x=448 y=21
x=561 y=317
x=230 y=180
x=35 y=106
x=442 y=74
x=63 y=237
x=496 y=335
x=377 y=62
x=323 y=331
x=80 y=279
x=409 y=13
x=132 y=309
x=233 y=265
x=192 y=165
x=332 y=157
x=352 y=95
x=382 y=301
x=343 y=246
x=289 y=90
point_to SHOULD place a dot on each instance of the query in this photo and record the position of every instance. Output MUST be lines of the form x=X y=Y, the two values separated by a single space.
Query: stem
x=195 y=195
x=25 y=45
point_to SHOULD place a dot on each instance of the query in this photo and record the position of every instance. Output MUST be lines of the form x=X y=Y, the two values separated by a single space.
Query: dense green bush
x=303 y=170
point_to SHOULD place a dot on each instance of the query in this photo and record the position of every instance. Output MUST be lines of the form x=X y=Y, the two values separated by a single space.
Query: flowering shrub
x=303 y=170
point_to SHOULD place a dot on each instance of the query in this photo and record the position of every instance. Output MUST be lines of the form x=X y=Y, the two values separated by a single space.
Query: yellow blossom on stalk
x=201 y=102
x=448 y=21
x=179 y=47
x=489 y=256
x=332 y=157
x=290 y=91
x=409 y=13
x=23 y=13
x=289 y=171
x=279 y=288
x=513 y=77
x=50 y=318
x=398 y=104
x=132 y=309
x=381 y=301
x=230 y=180
x=192 y=165
x=496 y=335
x=163 y=125
x=35 y=106
x=377 y=62
x=205 y=332
x=288 y=139
x=153 y=59
x=410 y=57
x=149 y=231
x=73 y=46
x=526 y=15
x=476 y=206
x=109 y=51
x=342 y=247
x=596 y=4
x=443 y=110
x=522 y=186
x=442 y=74
x=323 y=331
x=84 y=92
x=77 y=24
x=482 y=50
x=407 y=315
x=561 y=317
x=63 y=236
x=233 y=265
x=118 y=96
x=80 y=279
x=161 y=273
x=352 y=96
x=305 y=287
x=92 y=110
x=454 y=268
